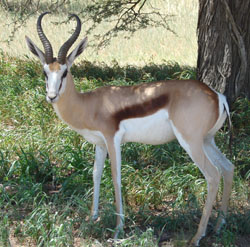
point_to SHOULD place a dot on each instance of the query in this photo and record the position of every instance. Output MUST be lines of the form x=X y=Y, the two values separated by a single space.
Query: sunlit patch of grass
x=151 y=45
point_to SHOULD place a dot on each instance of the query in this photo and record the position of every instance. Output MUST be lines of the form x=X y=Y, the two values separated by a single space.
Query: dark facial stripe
x=140 y=110
x=60 y=86
x=65 y=73
x=63 y=76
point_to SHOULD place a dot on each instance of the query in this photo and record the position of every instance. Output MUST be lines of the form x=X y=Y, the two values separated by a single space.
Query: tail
x=226 y=108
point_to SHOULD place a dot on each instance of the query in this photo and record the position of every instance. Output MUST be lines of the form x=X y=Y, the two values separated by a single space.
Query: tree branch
x=122 y=15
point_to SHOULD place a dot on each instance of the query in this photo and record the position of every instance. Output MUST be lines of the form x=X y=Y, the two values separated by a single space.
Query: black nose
x=51 y=98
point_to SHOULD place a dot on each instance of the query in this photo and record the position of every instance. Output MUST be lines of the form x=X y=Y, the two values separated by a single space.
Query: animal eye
x=45 y=74
x=65 y=74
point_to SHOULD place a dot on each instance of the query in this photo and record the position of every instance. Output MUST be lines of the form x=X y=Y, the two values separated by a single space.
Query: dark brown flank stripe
x=140 y=110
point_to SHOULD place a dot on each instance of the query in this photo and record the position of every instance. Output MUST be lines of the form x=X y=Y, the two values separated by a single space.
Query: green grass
x=46 y=170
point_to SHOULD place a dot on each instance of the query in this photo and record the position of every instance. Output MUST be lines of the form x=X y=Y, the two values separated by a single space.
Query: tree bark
x=224 y=46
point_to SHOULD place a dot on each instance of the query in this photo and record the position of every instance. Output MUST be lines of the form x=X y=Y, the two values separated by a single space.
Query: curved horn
x=46 y=44
x=65 y=47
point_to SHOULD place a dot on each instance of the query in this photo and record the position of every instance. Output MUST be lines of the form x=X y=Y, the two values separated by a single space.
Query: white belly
x=154 y=129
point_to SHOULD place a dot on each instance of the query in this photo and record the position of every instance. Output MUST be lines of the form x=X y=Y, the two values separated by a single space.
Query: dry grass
x=151 y=45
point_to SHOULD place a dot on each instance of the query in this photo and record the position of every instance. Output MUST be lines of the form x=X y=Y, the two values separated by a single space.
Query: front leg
x=114 y=150
x=100 y=156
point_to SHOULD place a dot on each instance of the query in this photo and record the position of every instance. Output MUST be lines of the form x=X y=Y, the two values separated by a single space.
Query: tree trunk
x=224 y=46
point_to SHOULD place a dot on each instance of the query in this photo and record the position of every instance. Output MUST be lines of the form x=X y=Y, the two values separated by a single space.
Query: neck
x=70 y=107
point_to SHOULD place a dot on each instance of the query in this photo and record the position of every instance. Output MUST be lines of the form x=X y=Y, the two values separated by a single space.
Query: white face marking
x=154 y=129
x=55 y=82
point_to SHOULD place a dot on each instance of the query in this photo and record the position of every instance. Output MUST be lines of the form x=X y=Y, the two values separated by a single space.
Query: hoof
x=195 y=241
x=118 y=232
x=220 y=223
x=94 y=218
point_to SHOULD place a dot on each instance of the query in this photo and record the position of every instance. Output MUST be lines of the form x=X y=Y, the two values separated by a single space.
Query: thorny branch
x=125 y=16
x=22 y=10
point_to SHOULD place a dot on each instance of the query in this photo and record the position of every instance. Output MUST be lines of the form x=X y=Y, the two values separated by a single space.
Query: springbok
x=149 y=113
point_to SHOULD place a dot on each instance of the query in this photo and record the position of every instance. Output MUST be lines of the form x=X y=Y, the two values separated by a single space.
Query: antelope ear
x=35 y=50
x=76 y=52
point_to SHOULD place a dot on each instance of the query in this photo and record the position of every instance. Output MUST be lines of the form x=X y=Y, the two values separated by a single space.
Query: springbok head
x=56 y=69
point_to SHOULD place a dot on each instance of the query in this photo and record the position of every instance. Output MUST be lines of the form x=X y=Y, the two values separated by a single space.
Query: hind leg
x=212 y=176
x=227 y=169
x=194 y=148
